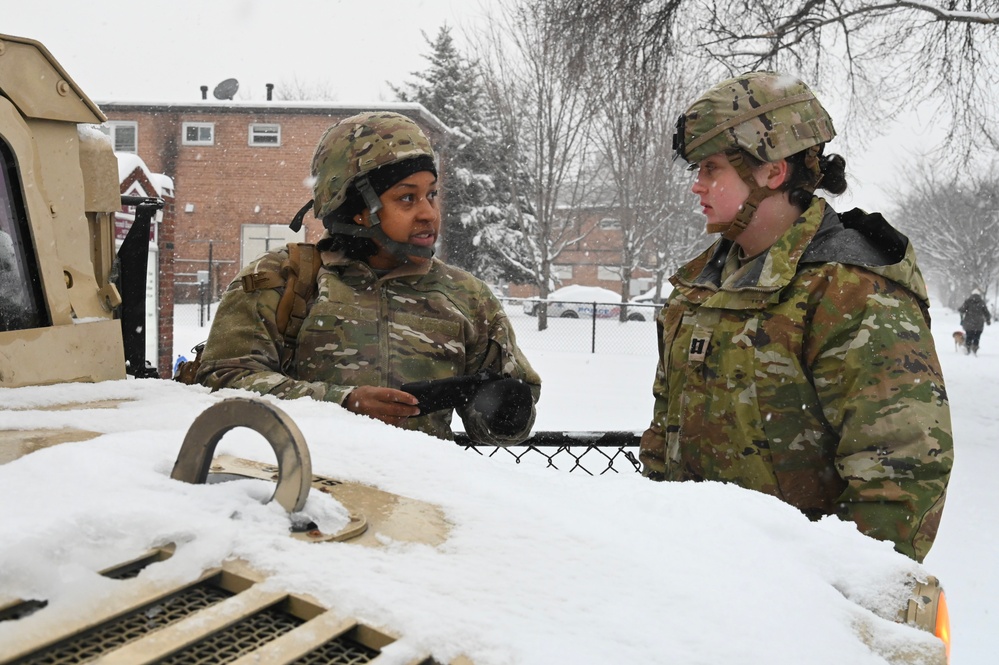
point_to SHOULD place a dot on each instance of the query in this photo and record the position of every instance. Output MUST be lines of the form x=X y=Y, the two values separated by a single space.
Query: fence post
x=593 y=334
x=211 y=280
x=202 y=288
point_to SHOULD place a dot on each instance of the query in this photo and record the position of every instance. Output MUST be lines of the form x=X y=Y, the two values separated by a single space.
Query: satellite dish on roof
x=226 y=89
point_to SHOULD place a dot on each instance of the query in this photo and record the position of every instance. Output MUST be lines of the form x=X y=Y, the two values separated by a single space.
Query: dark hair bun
x=833 y=169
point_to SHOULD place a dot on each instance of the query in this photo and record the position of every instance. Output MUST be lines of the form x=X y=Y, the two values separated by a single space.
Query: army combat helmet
x=350 y=154
x=767 y=115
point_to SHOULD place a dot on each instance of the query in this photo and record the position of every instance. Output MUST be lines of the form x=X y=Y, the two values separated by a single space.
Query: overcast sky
x=165 y=51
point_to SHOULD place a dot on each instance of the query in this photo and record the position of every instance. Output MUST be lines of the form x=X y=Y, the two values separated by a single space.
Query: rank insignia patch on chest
x=699 y=345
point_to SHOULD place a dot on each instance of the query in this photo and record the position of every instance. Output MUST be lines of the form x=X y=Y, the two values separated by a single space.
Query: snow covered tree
x=956 y=225
x=539 y=91
x=639 y=101
x=477 y=209
x=886 y=56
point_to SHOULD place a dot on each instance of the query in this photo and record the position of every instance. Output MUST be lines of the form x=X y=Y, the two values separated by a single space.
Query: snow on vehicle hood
x=540 y=566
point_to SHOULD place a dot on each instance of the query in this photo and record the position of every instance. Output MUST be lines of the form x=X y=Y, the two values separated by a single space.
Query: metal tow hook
x=280 y=431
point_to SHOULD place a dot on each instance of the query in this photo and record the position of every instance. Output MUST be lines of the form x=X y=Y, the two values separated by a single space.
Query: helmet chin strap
x=732 y=230
x=400 y=250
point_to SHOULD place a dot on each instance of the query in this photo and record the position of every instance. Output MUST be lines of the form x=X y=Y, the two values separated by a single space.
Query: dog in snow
x=958 y=340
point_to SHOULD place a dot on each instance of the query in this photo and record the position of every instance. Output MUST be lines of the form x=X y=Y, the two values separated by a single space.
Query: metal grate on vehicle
x=130 y=627
x=238 y=639
x=339 y=651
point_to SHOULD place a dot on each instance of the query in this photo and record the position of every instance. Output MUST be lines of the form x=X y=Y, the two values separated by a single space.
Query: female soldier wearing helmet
x=795 y=353
x=385 y=313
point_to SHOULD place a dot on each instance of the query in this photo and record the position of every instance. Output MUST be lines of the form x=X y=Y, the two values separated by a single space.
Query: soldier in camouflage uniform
x=385 y=312
x=795 y=353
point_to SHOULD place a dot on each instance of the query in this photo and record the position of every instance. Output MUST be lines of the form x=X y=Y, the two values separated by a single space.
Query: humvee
x=70 y=312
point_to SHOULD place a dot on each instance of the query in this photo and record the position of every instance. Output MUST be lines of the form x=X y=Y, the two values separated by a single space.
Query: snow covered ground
x=541 y=566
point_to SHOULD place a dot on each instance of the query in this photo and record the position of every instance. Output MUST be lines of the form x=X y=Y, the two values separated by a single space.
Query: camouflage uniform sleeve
x=652 y=448
x=244 y=347
x=497 y=350
x=875 y=370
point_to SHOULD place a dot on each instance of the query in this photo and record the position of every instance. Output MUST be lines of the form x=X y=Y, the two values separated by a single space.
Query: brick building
x=595 y=259
x=240 y=172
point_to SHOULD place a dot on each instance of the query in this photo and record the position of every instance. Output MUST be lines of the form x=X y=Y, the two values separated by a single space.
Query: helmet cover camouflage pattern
x=768 y=115
x=358 y=145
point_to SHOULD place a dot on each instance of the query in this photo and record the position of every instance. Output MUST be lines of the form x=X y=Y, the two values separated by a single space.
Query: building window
x=609 y=273
x=199 y=133
x=264 y=134
x=610 y=223
x=259 y=238
x=561 y=271
x=124 y=135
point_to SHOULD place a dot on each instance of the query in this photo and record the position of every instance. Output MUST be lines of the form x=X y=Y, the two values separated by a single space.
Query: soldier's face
x=719 y=188
x=411 y=214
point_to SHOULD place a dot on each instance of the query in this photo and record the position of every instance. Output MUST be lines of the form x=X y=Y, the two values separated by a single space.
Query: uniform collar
x=717 y=270
x=352 y=267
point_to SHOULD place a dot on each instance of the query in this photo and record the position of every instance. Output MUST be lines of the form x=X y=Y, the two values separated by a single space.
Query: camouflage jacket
x=810 y=374
x=413 y=324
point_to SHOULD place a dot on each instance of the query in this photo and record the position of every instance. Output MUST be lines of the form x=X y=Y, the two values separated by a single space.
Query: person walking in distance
x=974 y=317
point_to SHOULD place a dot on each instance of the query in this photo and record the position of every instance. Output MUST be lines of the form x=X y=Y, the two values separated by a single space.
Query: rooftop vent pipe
x=204 y=92
x=270 y=89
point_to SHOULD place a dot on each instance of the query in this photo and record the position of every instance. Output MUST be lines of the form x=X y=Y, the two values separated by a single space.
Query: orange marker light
x=942 y=627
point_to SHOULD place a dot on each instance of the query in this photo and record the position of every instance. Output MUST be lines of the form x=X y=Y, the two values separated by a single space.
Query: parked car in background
x=576 y=301
x=643 y=307
x=649 y=296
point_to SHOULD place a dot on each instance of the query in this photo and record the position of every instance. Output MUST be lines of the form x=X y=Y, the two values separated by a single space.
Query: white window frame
x=610 y=224
x=210 y=126
x=609 y=273
x=268 y=130
x=562 y=270
x=112 y=128
x=255 y=239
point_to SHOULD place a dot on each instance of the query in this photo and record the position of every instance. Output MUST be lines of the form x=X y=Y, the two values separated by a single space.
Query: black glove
x=505 y=405
x=450 y=393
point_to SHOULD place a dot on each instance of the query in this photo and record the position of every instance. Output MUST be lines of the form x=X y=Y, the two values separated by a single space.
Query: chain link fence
x=592 y=453
x=585 y=327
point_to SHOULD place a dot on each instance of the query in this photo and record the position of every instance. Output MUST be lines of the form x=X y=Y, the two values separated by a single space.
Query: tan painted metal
x=376 y=514
x=40 y=86
x=70 y=191
x=279 y=430
x=18 y=442
x=383 y=513
x=61 y=354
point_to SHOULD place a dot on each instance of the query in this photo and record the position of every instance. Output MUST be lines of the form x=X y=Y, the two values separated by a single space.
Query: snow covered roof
x=129 y=162
x=280 y=106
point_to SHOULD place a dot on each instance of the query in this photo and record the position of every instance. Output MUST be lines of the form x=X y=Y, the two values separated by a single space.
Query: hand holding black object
x=450 y=393
x=505 y=405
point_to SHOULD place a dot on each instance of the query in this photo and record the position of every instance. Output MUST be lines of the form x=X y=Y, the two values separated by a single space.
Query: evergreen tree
x=480 y=222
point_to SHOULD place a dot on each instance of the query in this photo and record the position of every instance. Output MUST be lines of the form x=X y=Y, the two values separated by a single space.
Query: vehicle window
x=20 y=288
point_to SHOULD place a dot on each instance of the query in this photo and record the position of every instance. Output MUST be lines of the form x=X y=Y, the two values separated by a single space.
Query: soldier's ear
x=777 y=173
